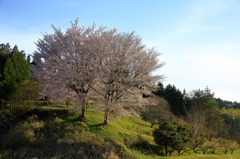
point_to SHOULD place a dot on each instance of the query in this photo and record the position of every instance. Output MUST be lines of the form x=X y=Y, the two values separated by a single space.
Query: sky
x=199 y=40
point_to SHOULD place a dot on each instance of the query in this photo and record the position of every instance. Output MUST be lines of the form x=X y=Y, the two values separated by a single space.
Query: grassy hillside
x=56 y=132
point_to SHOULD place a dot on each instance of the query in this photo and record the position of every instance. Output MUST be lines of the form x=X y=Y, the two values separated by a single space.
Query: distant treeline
x=227 y=104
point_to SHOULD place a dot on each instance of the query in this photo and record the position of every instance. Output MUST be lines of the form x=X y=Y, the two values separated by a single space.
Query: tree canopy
x=203 y=112
x=173 y=136
x=105 y=61
x=14 y=70
x=174 y=97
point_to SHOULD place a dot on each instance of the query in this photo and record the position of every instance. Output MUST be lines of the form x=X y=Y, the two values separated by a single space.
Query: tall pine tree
x=174 y=97
x=14 y=70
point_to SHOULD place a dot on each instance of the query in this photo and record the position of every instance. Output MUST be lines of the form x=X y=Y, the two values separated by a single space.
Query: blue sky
x=198 y=39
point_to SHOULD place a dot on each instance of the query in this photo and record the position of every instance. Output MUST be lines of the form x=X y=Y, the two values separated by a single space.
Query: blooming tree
x=81 y=59
x=66 y=62
x=125 y=64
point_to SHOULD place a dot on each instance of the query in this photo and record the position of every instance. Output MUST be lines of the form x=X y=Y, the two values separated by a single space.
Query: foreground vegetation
x=56 y=132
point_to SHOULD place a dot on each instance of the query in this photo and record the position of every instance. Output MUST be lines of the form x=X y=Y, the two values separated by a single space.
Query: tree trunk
x=166 y=150
x=83 y=112
x=170 y=153
x=179 y=152
x=225 y=151
x=204 y=152
x=82 y=117
x=152 y=124
x=195 y=151
x=105 y=121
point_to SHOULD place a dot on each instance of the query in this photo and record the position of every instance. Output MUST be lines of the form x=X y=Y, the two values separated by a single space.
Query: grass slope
x=134 y=134
x=55 y=132
x=131 y=129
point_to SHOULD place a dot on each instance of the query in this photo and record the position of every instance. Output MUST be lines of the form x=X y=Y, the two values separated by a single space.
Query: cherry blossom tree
x=110 y=63
x=66 y=64
x=125 y=64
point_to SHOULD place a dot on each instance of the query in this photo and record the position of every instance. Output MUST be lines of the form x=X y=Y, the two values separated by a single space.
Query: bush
x=26 y=133
x=11 y=115
x=173 y=137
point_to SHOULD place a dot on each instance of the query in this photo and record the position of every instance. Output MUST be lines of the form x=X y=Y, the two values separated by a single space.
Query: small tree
x=173 y=136
x=196 y=143
x=156 y=109
x=224 y=144
x=214 y=144
x=183 y=137
x=233 y=146
x=203 y=113
x=206 y=146
x=164 y=135
x=228 y=145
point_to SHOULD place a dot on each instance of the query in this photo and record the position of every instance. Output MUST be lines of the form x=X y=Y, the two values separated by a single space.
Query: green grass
x=124 y=131
x=236 y=155
x=127 y=130
x=58 y=107
x=60 y=129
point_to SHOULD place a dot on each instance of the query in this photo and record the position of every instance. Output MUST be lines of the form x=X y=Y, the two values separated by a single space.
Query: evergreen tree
x=174 y=97
x=173 y=137
x=5 y=51
x=203 y=113
x=160 y=91
x=14 y=70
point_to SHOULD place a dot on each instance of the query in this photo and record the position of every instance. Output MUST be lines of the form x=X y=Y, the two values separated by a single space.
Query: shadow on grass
x=96 y=125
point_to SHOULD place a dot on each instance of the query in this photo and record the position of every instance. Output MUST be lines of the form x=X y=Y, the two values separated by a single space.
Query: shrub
x=173 y=137
x=24 y=133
